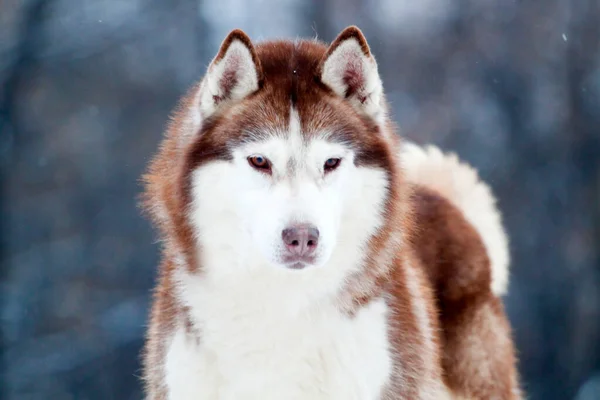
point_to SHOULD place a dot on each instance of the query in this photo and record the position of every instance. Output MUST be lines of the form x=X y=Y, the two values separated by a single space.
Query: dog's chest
x=253 y=353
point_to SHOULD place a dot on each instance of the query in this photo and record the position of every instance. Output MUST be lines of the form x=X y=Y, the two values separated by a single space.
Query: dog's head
x=288 y=160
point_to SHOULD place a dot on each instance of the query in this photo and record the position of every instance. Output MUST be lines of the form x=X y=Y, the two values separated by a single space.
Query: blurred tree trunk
x=583 y=128
x=24 y=60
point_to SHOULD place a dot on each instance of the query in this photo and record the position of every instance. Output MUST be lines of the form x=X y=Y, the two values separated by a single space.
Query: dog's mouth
x=297 y=265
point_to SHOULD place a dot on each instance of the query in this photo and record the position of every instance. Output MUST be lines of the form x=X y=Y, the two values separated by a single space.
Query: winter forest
x=86 y=88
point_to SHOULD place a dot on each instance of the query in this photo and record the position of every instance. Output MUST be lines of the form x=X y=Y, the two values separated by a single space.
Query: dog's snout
x=301 y=241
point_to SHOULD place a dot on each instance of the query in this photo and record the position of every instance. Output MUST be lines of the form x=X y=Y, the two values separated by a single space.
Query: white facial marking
x=243 y=211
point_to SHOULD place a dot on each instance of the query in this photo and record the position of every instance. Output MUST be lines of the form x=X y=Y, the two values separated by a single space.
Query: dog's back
x=308 y=253
x=461 y=245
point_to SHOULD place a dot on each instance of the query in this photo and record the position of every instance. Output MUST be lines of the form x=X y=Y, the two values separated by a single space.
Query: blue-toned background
x=86 y=87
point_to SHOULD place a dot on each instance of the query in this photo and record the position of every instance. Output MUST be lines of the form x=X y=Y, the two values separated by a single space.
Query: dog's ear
x=233 y=74
x=350 y=70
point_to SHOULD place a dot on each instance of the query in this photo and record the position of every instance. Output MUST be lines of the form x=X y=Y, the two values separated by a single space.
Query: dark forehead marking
x=291 y=67
x=294 y=86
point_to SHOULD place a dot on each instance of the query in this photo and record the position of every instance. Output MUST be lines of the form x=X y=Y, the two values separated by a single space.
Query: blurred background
x=86 y=88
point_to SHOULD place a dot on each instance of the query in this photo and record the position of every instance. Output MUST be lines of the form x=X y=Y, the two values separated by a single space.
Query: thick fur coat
x=307 y=252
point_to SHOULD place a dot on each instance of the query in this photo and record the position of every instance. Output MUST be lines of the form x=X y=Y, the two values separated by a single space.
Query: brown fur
x=425 y=247
x=478 y=354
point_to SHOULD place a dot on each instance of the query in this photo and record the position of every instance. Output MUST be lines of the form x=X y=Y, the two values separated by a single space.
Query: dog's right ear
x=233 y=74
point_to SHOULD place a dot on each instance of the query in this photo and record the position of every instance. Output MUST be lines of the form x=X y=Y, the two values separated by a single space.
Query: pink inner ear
x=229 y=79
x=354 y=78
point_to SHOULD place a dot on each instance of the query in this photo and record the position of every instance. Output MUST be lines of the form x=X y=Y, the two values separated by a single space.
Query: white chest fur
x=252 y=349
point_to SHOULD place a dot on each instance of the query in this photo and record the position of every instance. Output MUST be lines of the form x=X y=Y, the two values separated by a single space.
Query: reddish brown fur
x=438 y=247
x=471 y=316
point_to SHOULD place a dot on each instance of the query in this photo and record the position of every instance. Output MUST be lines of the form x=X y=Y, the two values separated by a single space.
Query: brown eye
x=260 y=163
x=331 y=164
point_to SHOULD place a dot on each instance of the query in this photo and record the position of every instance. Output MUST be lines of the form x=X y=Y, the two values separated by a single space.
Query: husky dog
x=308 y=253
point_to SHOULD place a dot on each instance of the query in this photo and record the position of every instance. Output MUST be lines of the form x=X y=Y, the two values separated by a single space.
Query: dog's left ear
x=350 y=70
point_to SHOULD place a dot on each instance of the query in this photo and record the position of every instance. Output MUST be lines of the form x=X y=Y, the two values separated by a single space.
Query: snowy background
x=85 y=90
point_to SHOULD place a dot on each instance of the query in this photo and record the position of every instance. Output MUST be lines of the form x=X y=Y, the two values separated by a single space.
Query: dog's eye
x=259 y=162
x=331 y=164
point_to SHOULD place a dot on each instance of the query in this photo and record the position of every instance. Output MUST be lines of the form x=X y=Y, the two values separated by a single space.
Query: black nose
x=301 y=241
